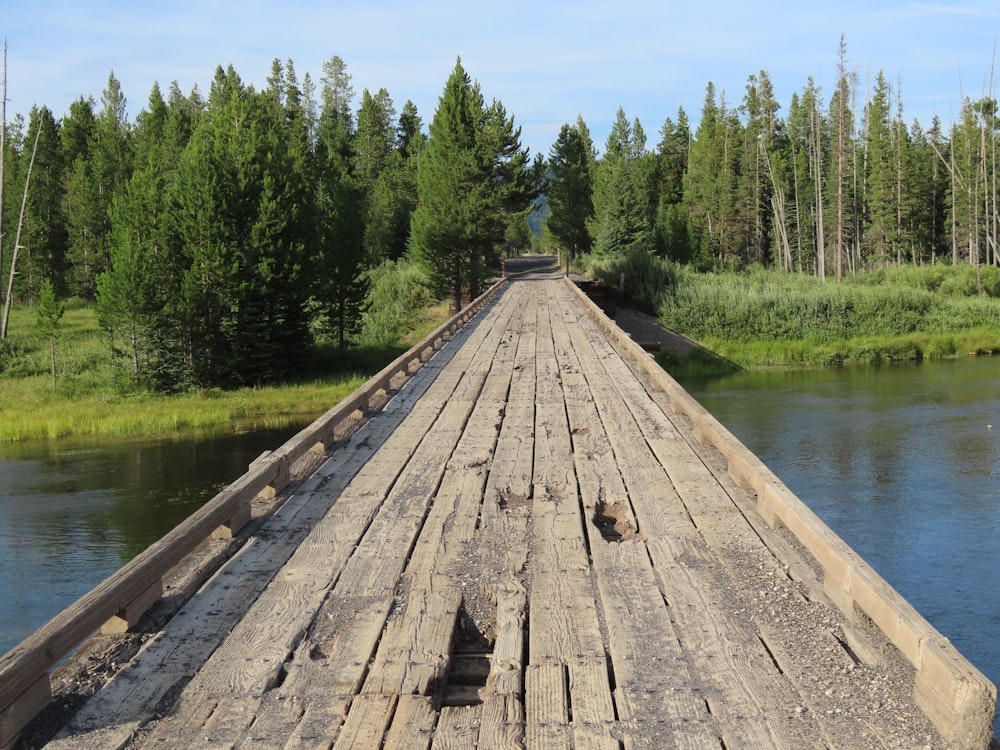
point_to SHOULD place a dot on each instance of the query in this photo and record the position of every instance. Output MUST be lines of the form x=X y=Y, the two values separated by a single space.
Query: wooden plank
x=366 y=721
x=547 y=709
x=457 y=728
x=565 y=627
x=412 y=725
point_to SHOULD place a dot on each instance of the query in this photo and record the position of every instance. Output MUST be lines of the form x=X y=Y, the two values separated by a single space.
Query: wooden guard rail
x=121 y=599
x=956 y=696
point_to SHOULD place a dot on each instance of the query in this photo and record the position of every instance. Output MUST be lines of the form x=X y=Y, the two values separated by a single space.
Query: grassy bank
x=772 y=319
x=89 y=397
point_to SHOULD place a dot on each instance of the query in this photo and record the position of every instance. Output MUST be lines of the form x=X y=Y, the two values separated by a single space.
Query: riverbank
x=763 y=319
x=88 y=399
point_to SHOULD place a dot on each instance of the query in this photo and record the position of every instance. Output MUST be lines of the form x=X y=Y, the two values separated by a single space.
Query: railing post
x=23 y=709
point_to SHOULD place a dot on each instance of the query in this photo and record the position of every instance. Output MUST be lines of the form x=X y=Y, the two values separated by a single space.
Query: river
x=74 y=511
x=903 y=463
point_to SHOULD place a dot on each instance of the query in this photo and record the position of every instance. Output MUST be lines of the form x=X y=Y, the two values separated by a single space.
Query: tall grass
x=27 y=412
x=648 y=279
x=766 y=318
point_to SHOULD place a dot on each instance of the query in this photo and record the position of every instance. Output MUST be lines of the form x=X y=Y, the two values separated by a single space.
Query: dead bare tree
x=17 y=241
x=3 y=150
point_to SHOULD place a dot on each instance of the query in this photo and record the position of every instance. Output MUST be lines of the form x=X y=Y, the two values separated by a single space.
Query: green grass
x=761 y=318
x=89 y=398
x=27 y=411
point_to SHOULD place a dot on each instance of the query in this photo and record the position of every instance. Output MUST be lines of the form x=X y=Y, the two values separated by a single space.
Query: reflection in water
x=72 y=512
x=902 y=463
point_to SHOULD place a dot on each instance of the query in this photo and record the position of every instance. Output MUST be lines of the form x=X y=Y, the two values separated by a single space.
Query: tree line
x=223 y=236
x=834 y=187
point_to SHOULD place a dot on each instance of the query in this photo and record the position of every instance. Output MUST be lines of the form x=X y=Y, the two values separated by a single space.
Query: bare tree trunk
x=841 y=155
x=818 y=150
x=3 y=151
x=17 y=241
x=778 y=205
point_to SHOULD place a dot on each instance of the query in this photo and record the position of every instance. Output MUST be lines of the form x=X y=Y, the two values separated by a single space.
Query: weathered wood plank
x=366 y=721
x=547 y=709
x=565 y=626
x=457 y=728
x=412 y=725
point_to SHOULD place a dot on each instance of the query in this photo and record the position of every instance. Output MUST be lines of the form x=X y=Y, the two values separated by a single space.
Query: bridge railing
x=956 y=696
x=120 y=600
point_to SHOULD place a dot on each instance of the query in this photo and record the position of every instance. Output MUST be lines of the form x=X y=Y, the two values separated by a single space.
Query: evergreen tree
x=239 y=222
x=81 y=205
x=137 y=293
x=841 y=189
x=570 y=188
x=760 y=188
x=671 y=164
x=807 y=143
x=341 y=286
x=48 y=313
x=13 y=187
x=927 y=193
x=621 y=215
x=472 y=175
x=710 y=185
x=880 y=173
x=97 y=176
x=375 y=167
x=410 y=139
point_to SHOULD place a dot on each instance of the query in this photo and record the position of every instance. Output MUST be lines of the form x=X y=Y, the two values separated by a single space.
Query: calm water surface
x=73 y=512
x=903 y=463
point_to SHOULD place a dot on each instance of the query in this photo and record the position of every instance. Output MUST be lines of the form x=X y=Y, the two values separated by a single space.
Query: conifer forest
x=221 y=234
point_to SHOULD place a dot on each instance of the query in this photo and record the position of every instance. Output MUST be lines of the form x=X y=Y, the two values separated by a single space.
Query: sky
x=547 y=62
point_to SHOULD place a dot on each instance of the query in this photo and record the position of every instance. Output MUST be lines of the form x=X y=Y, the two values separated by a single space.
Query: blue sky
x=548 y=62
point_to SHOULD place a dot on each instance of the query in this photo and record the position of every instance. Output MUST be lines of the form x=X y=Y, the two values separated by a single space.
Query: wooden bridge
x=538 y=541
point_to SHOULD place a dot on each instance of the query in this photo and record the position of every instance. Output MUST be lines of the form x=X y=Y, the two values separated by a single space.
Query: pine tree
x=621 y=215
x=710 y=184
x=240 y=222
x=48 y=313
x=98 y=173
x=672 y=163
x=136 y=294
x=880 y=175
x=842 y=162
x=341 y=287
x=375 y=165
x=570 y=188
x=471 y=176
x=761 y=191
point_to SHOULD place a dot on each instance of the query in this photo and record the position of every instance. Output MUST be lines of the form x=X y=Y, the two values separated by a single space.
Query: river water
x=903 y=463
x=74 y=511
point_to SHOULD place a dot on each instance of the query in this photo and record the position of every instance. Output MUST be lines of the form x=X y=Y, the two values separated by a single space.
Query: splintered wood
x=522 y=549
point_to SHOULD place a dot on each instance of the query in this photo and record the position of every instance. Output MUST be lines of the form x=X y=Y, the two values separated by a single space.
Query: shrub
x=398 y=294
x=648 y=278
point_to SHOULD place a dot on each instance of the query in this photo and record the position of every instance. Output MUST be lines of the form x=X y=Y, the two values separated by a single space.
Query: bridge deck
x=524 y=548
